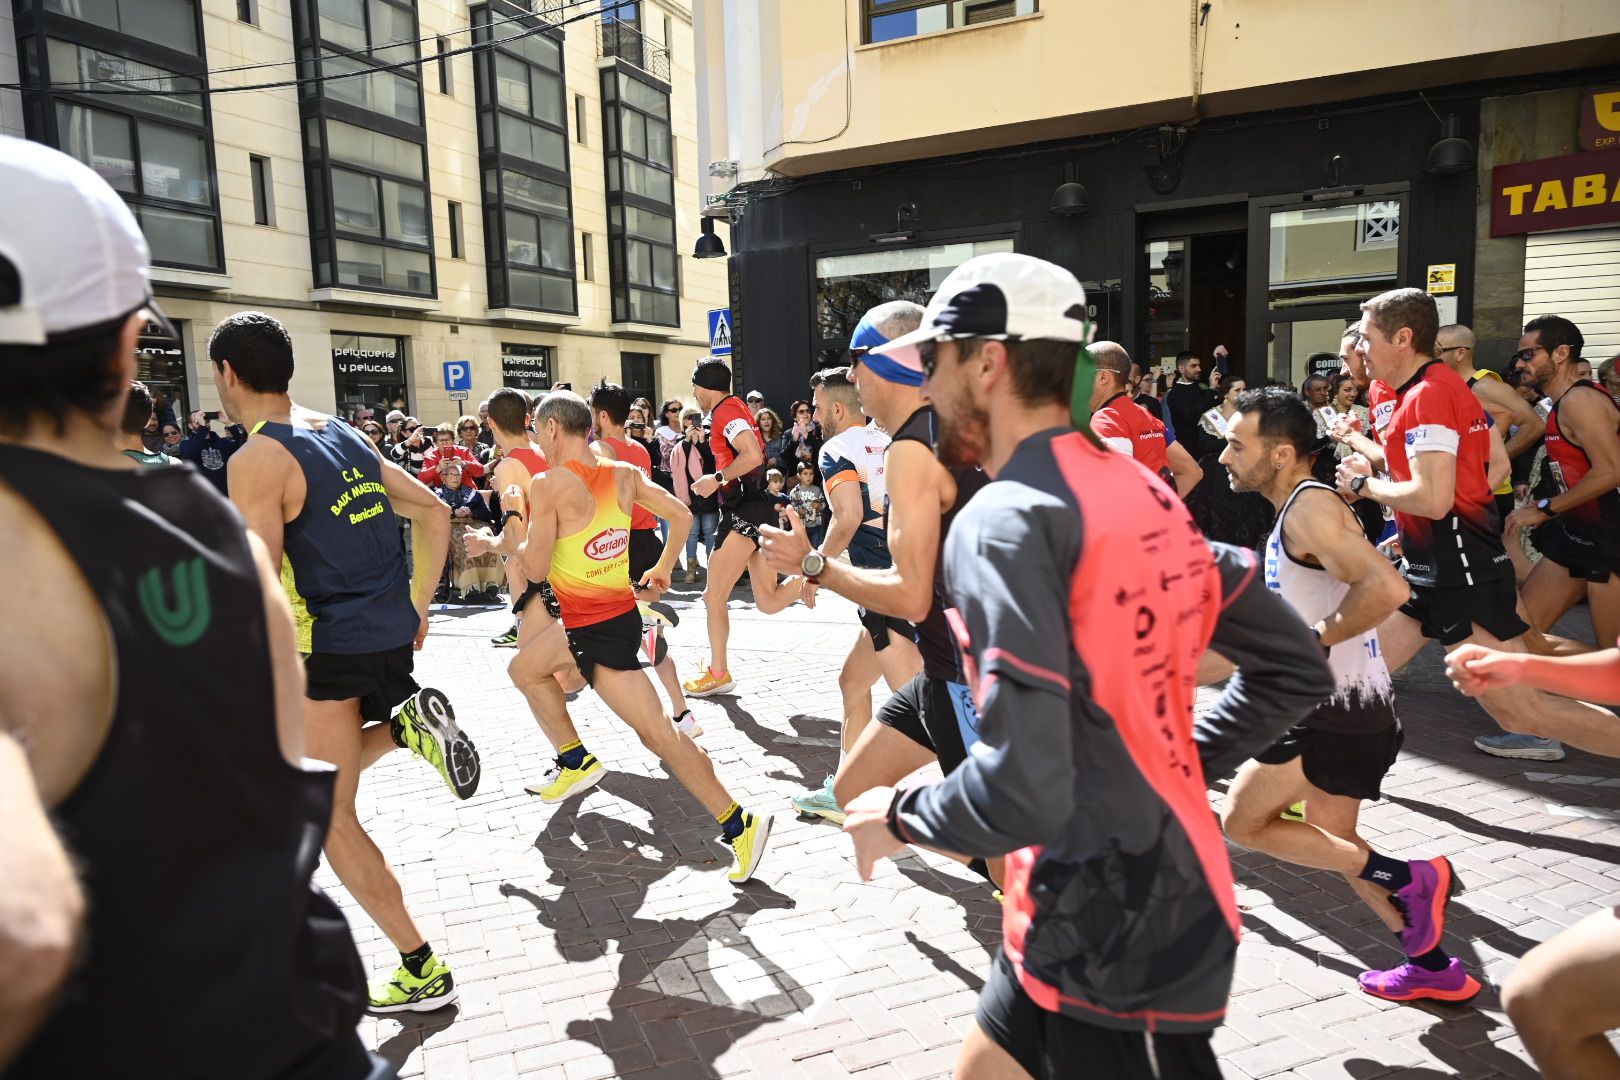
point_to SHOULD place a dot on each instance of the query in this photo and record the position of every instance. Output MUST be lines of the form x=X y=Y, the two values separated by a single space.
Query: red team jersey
x=1569 y=464
x=729 y=418
x=1125 y=426
x=1435 y=412
x=636 y=454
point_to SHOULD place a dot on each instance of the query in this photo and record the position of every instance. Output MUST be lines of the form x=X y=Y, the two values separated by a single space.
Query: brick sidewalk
x=600 y=937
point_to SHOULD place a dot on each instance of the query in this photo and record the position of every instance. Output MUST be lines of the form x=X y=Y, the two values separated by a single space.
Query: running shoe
x=403 y=992
x=1412 y=983
x=426 y=726
x=710 y=683
x=749 y=846
x=1423 y=903
x=560 y=781
x=1511 y=744
x=658 y=613
x=507 y=640
x=820 y=803
x=687 y=725
x=1295 y=812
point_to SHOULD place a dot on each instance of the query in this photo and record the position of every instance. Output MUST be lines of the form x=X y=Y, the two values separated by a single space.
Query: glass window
x=653 y=226
x=404 y=213
x=374 y=150
x=548 y=97
x=96 y=69
x=1333 y=253
x=1294 y=344
x=512 y=83
x=648 y=182
x=663 y=267
x=634 y=128
x=354 y=203
x=532 y=289
x=377 y=267
x=556 y=251
x=178 y=237
x=532 y=142
x=385 y=92
x=174 y=164
x=171 y=23
x=101 y=140
x=660 y=148
x=394 y=26
x=654 y=307
x=644 y=97
x=343 y=22
x=522 y=239
x=847 y=286
x=532 y=194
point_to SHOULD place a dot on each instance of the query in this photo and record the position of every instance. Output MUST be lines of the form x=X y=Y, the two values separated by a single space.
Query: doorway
x=1193 y=266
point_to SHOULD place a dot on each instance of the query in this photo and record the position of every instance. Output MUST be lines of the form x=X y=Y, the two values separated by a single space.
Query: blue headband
x=866 y=336
x=890 y=370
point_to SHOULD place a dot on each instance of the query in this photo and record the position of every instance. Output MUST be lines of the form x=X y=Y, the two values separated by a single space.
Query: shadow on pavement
x=415 y=1030
x=801 y=755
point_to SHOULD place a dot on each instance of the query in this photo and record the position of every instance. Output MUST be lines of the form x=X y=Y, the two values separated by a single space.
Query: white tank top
x=1364 y=702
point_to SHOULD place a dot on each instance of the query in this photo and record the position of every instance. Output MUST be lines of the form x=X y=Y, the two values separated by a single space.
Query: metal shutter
x=1577 y=275
x=990 y=10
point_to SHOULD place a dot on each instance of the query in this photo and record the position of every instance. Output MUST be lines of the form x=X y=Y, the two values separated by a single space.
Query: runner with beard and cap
x=931 y=716
x=1084 y=598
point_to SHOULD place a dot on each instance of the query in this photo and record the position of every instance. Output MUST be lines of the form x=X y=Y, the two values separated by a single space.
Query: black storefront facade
x=1261 y=233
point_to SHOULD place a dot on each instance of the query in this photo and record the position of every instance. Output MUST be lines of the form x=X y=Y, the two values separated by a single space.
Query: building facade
x=1216 y=174
x=428 y=193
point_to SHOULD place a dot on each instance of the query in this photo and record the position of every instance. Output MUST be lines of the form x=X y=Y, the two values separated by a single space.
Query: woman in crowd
x=667 y=434
x=1343 y=400
x=770 y=426
x=690 y=461
x=802 y=443
x=374 y=431
x=467 y=431
x=412 y=447
x=1212 y=425
x=471 y=579
x=811 y=504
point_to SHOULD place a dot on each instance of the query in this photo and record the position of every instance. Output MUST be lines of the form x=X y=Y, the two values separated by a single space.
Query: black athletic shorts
x=936 y=714
x=645 y=549
x=744 y=518
x=381 y=680
x=1590 y=558
x=1337 y=762
x=1448 y=613
x=613 y=643
x=1504 y=507
x=541 y=589
x=880 y=626
x=1051 y=1046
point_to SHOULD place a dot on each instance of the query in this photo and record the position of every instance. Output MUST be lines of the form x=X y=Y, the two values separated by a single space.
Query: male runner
x=1319 y=561
x=323 y=500
x=1577 y=531
x=1436 y=442
x=1454 y=345
x=1127 y=427
x=739 y=477
x=579 y=540
x=150 y=703
x=137 y=414
x=610 y=409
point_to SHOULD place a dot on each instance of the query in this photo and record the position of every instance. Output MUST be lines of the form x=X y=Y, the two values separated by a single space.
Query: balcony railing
x=619 y=40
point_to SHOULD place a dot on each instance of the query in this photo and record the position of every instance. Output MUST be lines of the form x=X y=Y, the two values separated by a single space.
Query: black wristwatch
x=510 y=514
x=719 y=477
x=1357 y=483
x=1545 y=506
x=892 y=818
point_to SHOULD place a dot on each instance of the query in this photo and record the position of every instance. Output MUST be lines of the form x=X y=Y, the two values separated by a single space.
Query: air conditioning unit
x=723 y=168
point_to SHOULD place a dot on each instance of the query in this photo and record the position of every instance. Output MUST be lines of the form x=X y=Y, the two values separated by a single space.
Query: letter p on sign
x=457 y=375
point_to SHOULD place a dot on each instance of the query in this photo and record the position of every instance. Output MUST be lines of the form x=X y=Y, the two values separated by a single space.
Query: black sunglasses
x=1524 y=356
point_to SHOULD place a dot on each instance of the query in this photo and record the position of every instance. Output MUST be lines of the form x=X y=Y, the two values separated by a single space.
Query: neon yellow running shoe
x=749 y=846
x=1295 y=812
x=560 y=781
x=426 y=726
x=404 y=992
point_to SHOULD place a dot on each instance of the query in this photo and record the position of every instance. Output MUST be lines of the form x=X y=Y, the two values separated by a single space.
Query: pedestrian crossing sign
x=720 y=332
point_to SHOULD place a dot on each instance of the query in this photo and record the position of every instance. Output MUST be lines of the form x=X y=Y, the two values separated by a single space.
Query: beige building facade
x=365 y=208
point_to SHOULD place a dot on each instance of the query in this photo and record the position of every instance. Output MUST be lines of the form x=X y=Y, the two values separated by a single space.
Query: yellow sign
x=1442 y=278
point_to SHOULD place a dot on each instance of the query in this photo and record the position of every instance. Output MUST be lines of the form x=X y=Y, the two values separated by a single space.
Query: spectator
x=811 y=504
x=472 y=579
x=152 y=434
x=165 y=411
x=770 y=426
x=468 y=431
x=669 y=433
x=1187 y=398
x=1315 y=388
x=774 y=492
x=1212 y=425
x=1609 y=377
x=1343 y=400
x=1145 y=393
x=445 y=448
x=411 y=447
x=138 y=414
x=803 y=440
x=755 y=401
x=210 y=445
x=171 y=438
x=1215 y=380
x=486 y=437
x=1242 y=519
x=395 y=420
x=374 y=431
x=690 y=461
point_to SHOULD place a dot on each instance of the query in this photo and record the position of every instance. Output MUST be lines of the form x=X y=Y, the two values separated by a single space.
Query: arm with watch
x=514 y=501
x=1587 y=421
x=1430 y=492
x=748 y=456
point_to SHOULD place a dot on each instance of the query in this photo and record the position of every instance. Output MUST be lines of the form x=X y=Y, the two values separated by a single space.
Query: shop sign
x=1600 y=119
x=365 y=359
x=1442 y=278
x=1570 y=192
x=526 y=367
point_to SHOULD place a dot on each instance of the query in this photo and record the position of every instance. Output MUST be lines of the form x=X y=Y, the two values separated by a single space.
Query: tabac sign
x=1569 y=192
x=1600 y=119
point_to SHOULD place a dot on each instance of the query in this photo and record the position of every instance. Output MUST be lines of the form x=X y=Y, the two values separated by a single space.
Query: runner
x=1435 y=444
x=1085 y=597
x=1127 y=427
x=610 y=409
x=1318 y=560
x=579 y=539
x=1577 y=531
x=151 y=706
x=540 y=670
x=932 y=715
x=323 y=500
x=137 y=414
x=739 y=477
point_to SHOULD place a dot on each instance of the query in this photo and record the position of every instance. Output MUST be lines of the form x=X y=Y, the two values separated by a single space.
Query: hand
x=705 y=486
x=480 y=542
x=785 y=549
x=807 y=592
x=1391 y=549
x=421 y=634
x=463 y=512
x=1220 y=351
x=1351 y=467
x=1475 y=670
x=197 y=420
x=1346 y=425
x=656 y=578
x=1526 y=517
x=866 y=822
x=1521 y=492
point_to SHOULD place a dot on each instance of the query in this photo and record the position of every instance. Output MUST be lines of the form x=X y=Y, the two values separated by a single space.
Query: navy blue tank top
x=342 y=565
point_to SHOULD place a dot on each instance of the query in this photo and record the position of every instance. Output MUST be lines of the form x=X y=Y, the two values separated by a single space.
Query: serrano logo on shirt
x=607 y=544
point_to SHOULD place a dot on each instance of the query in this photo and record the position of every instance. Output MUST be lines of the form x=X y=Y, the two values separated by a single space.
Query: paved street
x=601 y=938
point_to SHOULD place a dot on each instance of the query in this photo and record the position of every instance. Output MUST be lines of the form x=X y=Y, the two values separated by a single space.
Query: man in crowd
x=1315 y=390
x=486 y=435
x=1126 y=427
x=1142 y=397
x=209 y=446
x=1319 y=561
x=1436 y=444
x=360 y=616
x=1187 y=399
x=578 y=540
x=1086 y=596
x=198 y=889
x=1577 y=530
x=755 y=401
x=137 y=414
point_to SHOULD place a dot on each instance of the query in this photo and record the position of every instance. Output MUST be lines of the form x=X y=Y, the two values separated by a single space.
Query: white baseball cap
x=1004 y=296
x=73 y=261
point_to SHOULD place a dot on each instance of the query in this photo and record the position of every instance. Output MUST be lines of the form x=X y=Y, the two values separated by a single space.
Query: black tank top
x=941 y=659
x=207 y=951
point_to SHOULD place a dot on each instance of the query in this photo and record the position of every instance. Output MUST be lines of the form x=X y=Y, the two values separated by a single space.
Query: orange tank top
x=590 y=569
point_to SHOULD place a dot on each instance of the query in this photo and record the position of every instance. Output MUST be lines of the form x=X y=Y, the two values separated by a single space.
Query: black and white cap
x=73 y=261
x=1005 y=296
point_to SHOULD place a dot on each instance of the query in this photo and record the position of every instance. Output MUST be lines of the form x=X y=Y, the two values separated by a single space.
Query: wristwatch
x=1357 y=483
x=1545 y=506
x=719 y=477
x=812 y=566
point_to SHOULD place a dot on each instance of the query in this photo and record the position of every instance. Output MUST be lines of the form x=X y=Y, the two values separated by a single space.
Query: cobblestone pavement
x=600 y=937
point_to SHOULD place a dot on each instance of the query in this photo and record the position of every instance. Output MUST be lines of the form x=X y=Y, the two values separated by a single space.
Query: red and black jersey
x=1569 y=464
x=726 y=422
x=1125 y=426
x=1435 y=412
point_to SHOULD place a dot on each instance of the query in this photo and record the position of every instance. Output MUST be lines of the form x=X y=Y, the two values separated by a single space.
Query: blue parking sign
x=458 y=375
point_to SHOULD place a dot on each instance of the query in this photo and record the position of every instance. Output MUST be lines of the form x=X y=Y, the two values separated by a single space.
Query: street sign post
x=720 y=332
x=458 y=376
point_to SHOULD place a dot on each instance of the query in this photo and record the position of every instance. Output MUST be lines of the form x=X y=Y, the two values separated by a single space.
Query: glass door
x=1166 y=272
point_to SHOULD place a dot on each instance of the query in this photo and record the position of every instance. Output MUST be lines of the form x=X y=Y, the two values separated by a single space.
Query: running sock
x=684 y=712
x=1385 y=872
x=572 y=756
x=416 y=961
x=731 y=822
x=1435 y=959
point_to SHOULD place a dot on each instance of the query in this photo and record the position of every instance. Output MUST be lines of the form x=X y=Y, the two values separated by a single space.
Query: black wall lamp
x=1070 y=197
x=709 y=246
x=1452 y=154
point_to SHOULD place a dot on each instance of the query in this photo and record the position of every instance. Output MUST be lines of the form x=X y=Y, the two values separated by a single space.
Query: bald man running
x=1130 y=429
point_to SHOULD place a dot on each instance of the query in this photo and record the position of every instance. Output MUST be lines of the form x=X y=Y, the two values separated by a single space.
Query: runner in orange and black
x=579 y=540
